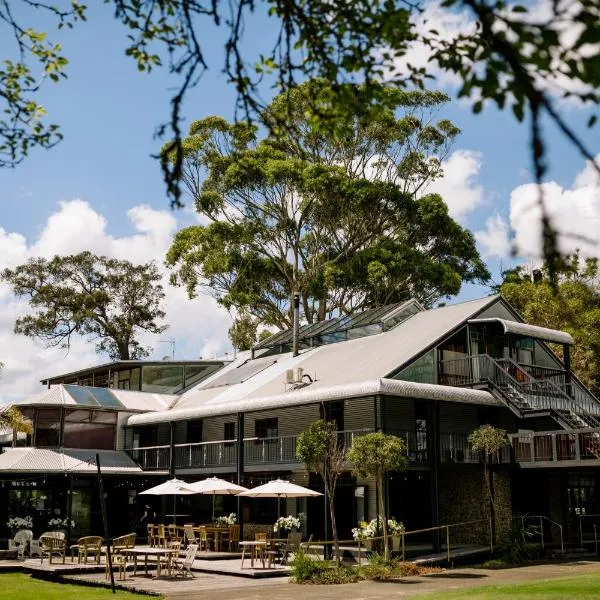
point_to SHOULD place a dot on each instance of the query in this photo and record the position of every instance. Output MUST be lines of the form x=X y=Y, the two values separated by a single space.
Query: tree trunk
x=336 y=545
x=386 y=548
x=14 y=437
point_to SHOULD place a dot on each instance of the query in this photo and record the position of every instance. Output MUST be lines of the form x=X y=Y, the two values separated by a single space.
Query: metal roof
x=112 y=399
x=345 y=366
x=66 y=460
x=128 y=364
x=310 y=395
x=540 y=333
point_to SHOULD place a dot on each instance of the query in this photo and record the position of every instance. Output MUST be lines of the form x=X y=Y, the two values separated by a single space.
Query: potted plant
x=226 y=520
x=396 y=529
x=17 y=523
x=285 y=525
x=365 y=532
x=58 y=524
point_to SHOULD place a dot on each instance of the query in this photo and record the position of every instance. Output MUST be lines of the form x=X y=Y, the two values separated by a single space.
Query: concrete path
x=446 y=581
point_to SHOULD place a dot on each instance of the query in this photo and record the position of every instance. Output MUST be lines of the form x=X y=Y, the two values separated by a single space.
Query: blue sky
x=109 y=111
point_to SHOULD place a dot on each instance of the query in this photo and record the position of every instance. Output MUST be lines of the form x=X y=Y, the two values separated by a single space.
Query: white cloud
x=458 y=186
x=449 y=24
x=575 y=213
x=199 y=326
x=494 y=240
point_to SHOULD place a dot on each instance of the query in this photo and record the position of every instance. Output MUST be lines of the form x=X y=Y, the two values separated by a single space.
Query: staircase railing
x=518 y=387
x=570 y=403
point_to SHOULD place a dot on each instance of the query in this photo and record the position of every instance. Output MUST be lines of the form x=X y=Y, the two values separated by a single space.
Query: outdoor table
x=259 y=546
x=216 y=532
x=158 y=552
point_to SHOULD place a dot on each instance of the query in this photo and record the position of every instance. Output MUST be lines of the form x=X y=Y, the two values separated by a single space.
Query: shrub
x=305 y=568
x=520 y=544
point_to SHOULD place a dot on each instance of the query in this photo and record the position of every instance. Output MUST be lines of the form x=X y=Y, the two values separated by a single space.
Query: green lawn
x=18 y=586
x=567 y=588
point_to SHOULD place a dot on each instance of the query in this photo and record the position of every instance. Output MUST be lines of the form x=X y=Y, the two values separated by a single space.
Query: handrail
x=542 y=518
x=536 y=393
x=580 y=517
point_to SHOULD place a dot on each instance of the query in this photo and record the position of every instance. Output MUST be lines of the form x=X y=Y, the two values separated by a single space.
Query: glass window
x=229 y=431
x=89 y=429
x=266 y=428
x=167 y=379
x=421 y=371
x=47 y=427
x=195 y=373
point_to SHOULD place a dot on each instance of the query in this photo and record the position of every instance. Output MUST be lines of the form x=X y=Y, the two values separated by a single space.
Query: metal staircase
x=523 y=394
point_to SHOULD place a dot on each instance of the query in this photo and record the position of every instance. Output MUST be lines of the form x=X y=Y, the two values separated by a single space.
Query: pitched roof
x=349 y=365
x=64 y=460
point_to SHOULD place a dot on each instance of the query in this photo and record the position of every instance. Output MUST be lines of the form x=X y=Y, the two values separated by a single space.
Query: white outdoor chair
x=19 y=543
x=184 y=567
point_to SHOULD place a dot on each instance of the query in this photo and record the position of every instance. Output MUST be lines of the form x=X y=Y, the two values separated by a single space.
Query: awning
x=66 y=460
x=540 y=333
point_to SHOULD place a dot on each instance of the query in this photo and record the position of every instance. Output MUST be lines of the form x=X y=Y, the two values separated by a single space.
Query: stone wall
x=464 y=497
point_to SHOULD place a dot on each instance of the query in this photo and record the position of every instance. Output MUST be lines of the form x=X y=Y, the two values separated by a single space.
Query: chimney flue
x=296 y=323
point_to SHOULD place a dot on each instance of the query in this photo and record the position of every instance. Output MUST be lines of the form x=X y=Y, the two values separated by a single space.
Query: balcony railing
x=556 y=446
x=151 y=458
x=206 y=454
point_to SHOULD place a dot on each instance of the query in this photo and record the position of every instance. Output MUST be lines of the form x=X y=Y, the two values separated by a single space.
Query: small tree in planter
x=488 y=440
x=375 y=455
x=320 y=450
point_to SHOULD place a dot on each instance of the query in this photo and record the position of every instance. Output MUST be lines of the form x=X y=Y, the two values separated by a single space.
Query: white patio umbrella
x=173 y=487
x=214 y=486
x=280 y=488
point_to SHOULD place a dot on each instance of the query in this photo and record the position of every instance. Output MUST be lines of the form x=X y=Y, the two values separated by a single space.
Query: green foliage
x=375 y=454
x=339 y=218
x=321 y=450
x=521 y=542
x=306 y=569
x=488 y=440
x=571 y=304
x=243 y=332
x=107 y=300
x=12 y=418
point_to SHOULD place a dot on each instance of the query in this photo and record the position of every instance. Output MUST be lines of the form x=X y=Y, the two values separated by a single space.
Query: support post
x=105 y=524
x=296 y=324
x=240 y=469
x=433 y=427
x=69 y=509
x=567 y=366
x=171 y=449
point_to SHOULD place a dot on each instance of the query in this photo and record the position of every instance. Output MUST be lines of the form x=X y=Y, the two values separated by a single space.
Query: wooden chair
x=53 y=544
x=90 y=545
x=260 y=537
x=120 y=545
x=183 y=567
x=291 y=547
x=161 y=537
x=188 y=534
x=202 y=537
x=151 y=528
x=173 y=532
x=234 y=537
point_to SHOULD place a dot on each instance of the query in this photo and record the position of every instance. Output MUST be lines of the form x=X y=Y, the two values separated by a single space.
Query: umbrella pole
x=213 y=518
x=174 y=507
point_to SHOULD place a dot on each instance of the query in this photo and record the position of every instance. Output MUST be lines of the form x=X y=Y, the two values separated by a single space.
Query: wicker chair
x=51 y=543
x=19 y=543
